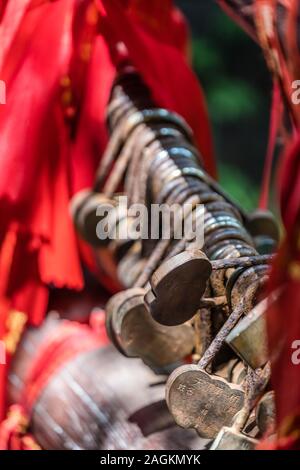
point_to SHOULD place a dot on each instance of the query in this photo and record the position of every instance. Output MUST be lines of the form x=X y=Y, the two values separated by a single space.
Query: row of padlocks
x=197 y=313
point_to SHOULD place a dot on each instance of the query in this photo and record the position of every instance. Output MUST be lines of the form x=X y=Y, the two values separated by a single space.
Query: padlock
x=136 y=334
x=177 y=287
x=131 y=265
x=266 y=414
x=233 y=371
x=120 y=241
x=254 y=277
x=202 y=401
x=264 y=229
x=84 y=207
x=249 y=337
x=230 y=439
x=233 y=437
x=238 y=373
x=262 y=222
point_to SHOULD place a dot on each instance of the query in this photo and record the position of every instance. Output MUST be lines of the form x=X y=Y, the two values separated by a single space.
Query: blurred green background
x=238 y=88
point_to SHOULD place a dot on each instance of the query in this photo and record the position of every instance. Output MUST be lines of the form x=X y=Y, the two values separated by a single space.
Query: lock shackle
x=243 y=262
x=232 y=320
x=255 y=383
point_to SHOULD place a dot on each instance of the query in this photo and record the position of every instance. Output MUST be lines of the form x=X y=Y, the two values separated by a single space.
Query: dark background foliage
x=238 y=88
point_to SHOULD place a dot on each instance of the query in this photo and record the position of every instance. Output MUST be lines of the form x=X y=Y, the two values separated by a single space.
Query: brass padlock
x=177 y=287
x=264 y=229
x=84 y=209
x=136 y=334
x=230 y=439
x=249 y=337
x=266 y=414
x=202 y=401
x=233 y=437
x=262 y=222
x=233 y=371
x=131 y=265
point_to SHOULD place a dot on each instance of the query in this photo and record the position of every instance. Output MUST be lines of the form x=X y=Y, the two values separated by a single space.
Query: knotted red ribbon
x=59 y=60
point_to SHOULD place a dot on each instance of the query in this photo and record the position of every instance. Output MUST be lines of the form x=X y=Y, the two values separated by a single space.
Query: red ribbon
x=64 y=343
